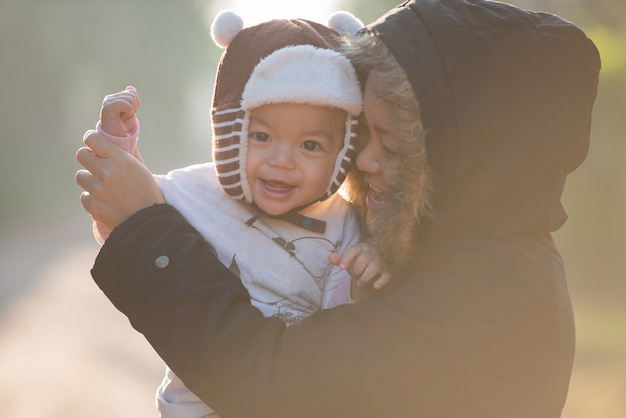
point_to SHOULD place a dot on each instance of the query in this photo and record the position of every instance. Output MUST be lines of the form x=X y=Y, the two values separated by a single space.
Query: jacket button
x=162 y=261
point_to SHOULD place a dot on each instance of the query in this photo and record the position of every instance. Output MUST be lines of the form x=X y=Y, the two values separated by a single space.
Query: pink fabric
x=341 y=294
x=128 y=143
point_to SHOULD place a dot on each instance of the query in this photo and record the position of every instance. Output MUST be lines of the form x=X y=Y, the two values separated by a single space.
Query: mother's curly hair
x=395 y=235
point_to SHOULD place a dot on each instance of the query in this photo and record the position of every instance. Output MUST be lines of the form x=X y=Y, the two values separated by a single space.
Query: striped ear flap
x=345 y=158
x=227 y=147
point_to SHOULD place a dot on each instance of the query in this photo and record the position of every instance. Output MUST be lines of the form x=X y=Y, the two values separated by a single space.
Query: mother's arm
x=465 y=345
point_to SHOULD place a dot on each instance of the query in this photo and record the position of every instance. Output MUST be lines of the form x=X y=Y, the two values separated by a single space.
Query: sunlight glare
x=256 y=11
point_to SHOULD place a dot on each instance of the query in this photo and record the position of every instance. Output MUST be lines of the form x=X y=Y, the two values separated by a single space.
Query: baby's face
x=292 y=150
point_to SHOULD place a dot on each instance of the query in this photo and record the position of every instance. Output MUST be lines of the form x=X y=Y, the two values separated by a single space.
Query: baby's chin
x=272 y=208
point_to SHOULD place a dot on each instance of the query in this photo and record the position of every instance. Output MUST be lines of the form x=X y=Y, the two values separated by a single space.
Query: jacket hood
x=506 y=97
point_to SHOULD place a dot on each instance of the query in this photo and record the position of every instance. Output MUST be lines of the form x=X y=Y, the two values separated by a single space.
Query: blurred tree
x=60 y=57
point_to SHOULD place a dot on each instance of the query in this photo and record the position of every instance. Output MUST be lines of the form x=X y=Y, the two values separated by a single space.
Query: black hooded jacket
x=483 y=326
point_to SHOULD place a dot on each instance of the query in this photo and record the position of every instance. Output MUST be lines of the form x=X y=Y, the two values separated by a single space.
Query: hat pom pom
x=226 y=25
x=345 y=23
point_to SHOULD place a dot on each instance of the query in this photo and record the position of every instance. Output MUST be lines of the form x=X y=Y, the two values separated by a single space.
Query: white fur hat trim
x=226 y=25
x=288 y=76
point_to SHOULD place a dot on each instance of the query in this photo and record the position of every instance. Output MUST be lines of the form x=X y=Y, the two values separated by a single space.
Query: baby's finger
x=333 y=258
x=120 y=105
x=362 y=268
x=125 y=95
x=370 y=270
x=383 y=280
x=136 y=101
x=351 y=254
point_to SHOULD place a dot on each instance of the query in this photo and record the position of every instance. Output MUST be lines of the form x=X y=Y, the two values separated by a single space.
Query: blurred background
x=64 y=350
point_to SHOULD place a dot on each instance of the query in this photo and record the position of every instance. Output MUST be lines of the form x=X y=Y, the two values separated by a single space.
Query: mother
x=480 y=322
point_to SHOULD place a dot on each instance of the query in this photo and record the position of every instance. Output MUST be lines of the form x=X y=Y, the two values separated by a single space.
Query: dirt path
x=65 y=351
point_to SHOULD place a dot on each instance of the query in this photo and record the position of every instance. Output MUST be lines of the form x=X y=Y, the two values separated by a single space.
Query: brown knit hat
x=279 y=61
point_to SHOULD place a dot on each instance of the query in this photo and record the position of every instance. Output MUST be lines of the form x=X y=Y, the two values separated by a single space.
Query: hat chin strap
x=293 y=217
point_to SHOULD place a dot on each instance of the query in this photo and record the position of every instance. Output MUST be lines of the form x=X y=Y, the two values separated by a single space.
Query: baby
x=285 y=113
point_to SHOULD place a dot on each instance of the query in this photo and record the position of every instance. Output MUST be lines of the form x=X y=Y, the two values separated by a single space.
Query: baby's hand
x=118 y=123
x=364 y=264
x=117 y=115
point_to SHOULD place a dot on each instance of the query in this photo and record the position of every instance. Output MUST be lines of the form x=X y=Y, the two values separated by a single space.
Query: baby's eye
x=311 y=145
x=259 y=136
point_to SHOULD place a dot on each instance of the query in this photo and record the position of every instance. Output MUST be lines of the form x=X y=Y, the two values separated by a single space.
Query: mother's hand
x=116 y=184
